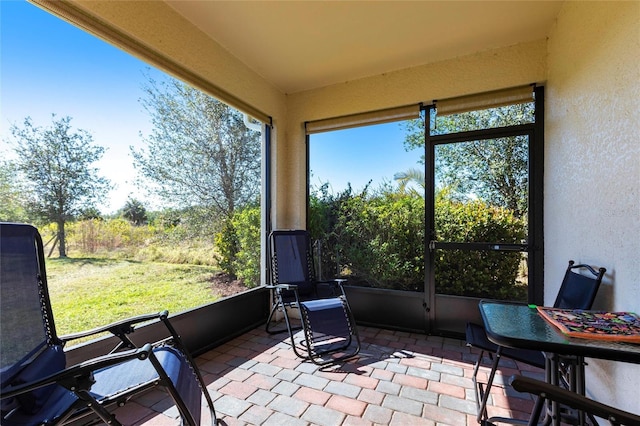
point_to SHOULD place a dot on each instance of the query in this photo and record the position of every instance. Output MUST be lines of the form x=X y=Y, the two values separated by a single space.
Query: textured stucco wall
x=592 y=165
x=483 y=71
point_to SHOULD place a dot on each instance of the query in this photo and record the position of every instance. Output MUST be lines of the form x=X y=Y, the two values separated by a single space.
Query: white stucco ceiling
x=301 y=45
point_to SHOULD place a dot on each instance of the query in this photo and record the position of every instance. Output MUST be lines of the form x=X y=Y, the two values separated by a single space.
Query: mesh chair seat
x=326 y=323
x=130 y=375
x=111 y=383
x=36 y=385
x=57 y=404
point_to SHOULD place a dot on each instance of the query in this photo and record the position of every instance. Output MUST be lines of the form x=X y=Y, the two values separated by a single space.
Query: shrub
x=247 y=261
x=477 y=273
x=375 y=240
x=226 y=243
x=238 y=246
x=120 y=239
x=383 y=240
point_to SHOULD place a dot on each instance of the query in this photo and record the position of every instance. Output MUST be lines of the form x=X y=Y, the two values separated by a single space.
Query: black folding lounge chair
x=550 y=393
x=329 y=330
x=577 y=292
x=37 y=387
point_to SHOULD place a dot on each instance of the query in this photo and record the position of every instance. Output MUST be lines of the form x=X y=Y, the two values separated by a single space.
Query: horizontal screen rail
x=439 y=245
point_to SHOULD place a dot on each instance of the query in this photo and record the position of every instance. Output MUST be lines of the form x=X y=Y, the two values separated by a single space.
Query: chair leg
x=482 y=411
x=293 y=342
x=476 y=384
x=537 y=411
x=273 y=311
x=270 y=319
x=315 y=356
x=312 y=349
x=104 y=415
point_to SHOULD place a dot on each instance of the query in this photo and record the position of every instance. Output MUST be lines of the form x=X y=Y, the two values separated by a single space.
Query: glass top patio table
x=519 y=325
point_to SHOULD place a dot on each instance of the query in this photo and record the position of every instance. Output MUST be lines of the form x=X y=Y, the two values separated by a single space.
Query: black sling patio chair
x=37 y=385
x=577 y=291
x=546 y=392
x=329 y=330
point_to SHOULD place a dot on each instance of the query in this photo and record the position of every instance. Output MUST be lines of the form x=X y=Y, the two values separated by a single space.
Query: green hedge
x=378 y=241
x=477 y=273
x=238 y=246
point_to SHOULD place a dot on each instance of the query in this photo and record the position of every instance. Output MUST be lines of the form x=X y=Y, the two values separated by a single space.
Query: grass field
x=90 y=292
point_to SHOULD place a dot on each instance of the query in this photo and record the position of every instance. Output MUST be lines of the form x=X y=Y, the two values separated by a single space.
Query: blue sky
x=359 y=155
x=50 y=67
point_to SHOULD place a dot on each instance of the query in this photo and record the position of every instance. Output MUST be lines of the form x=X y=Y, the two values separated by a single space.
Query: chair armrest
x=118 y=328
x=335 y=281
x=286 y=286
x=573 y=400
x=336 y=286
x=80 y=373
x=282 y=287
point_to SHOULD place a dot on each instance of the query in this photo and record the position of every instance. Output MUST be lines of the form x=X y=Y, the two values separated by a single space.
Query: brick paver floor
x=398 y=378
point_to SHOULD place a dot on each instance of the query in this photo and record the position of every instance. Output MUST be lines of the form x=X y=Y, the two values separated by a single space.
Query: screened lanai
x=293 y=65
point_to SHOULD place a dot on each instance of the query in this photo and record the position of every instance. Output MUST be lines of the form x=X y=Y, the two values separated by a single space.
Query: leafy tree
x=134 y=211
x=409 y=179
x=200 y=153
x=57 y=163
x=495 y=170
x=90 y=213
x=13 y=205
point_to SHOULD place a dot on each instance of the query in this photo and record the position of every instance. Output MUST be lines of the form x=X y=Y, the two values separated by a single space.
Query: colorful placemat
x=601 y=325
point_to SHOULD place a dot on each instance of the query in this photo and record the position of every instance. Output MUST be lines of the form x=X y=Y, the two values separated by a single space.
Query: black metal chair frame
x=314 y=346
x=572 y=367
x=283 y=295
x=549 y=393
x=80 y=378
x=286 y=296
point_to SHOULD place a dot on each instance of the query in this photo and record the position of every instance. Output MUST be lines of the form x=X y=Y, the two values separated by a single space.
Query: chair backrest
x=26 y=321
x=291 y=259
x=578 y=291
x=29 y=347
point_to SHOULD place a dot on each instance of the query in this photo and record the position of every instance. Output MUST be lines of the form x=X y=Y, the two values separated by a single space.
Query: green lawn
x=90 y=292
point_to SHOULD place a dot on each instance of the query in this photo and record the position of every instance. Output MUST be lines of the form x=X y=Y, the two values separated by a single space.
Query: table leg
x=567 y=372
x=580 y=384
x=553 y=377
